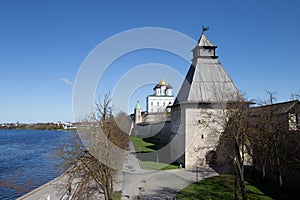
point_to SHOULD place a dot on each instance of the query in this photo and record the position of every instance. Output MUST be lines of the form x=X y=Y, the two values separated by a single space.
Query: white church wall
x=158 y=104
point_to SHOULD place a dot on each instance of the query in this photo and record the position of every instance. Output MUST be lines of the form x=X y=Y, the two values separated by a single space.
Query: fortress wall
x=177 y=147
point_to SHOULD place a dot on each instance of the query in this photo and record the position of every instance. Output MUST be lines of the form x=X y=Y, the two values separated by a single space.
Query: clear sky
x=43 y=43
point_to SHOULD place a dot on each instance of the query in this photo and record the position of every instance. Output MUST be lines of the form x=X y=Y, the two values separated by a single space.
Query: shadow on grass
x=219 y=187
x=269 y=186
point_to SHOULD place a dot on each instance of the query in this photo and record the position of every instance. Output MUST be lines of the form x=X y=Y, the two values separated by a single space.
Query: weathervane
x=204 y=28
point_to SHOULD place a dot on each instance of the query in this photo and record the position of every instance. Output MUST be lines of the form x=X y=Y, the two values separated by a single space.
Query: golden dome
x=162 y=82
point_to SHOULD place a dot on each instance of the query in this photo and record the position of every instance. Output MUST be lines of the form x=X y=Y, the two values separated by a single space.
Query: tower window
x=164 y=103
x=202 y=136
x=158 y=103
x=151 y=103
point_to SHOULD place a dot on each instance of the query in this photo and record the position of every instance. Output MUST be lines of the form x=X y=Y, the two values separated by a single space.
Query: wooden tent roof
x=206 y=80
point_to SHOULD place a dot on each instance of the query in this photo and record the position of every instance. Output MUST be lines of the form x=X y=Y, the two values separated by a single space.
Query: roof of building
x=154 y=95
x=204 y=41
x=207 y=81
x=137 y=106
x=283 y=107
x=162 y=82
x=169 y=86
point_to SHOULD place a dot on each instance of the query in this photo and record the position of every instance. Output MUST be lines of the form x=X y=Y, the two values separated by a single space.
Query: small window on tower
x=158 y=103
x=164 y=103
x=151 y=103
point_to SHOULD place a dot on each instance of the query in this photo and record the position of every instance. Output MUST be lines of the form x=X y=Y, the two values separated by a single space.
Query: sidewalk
x=135 y=183
x=156 y=184
x=51 y=190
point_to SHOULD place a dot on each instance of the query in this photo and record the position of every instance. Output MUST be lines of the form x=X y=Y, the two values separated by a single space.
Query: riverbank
x=38 y=126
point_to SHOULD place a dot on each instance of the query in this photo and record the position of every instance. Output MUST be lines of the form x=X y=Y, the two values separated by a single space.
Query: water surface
x=27 y=161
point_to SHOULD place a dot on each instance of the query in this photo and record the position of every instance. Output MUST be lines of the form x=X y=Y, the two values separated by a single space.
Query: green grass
x=219 y=187
x=117 y=195
x=154 y=165
x=140 y=145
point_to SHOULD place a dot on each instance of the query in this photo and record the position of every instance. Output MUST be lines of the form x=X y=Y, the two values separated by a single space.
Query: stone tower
x=138 y=114
x=207 y=88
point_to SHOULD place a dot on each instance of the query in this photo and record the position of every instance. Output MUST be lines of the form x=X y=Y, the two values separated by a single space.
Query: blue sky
x=43 y=43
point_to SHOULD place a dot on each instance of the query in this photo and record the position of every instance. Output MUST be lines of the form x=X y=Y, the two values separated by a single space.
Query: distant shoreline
x=38 y=126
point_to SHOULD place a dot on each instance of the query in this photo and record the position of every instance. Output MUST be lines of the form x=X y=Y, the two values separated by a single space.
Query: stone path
x=161 y=184
x=135 y=183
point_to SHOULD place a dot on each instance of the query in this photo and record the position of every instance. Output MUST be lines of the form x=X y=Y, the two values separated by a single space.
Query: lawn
x=154 y=165
x=141 y=146
x=219 y=187
x=117 y=195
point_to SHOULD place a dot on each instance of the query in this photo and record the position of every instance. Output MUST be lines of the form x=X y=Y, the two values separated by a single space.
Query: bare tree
x=295 y=96
x=235 y=140
x=91 y=168
x=274 y=145
x=232 y=122
x=271 y=95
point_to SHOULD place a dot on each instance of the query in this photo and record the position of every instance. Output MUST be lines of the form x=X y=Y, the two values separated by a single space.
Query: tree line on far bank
x=35 y=126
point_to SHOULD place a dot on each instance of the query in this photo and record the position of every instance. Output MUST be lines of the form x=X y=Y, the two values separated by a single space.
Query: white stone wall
x=203 y=130
x=197 y=128
x=158 y=103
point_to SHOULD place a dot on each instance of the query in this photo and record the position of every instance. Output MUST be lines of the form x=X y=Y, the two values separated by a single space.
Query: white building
x=162 y=97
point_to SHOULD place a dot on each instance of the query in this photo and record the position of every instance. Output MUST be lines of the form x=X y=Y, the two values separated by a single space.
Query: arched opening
x=211 y=157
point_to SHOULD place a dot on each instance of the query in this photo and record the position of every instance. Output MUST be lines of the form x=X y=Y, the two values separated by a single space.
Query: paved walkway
x=135 y=183
x=161 y=184
x=50 y=191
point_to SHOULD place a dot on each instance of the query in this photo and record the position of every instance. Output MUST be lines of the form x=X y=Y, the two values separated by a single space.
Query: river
x=27 y=161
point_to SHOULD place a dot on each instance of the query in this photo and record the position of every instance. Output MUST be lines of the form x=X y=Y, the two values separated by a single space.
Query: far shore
x=39 y=126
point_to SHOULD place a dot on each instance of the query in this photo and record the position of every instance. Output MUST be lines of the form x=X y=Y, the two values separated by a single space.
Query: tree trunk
x=263 y=169
x=254 y=165
x=236 y=187
x=279 y=182
x=106 y=196
x=243 y=188
x=111 y=187
x=240 y=171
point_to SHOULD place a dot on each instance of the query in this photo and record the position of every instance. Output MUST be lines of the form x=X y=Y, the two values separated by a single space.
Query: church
x=161 y=98
x=157 y=104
